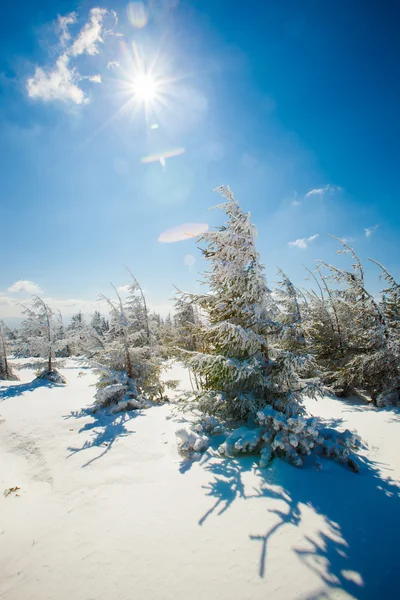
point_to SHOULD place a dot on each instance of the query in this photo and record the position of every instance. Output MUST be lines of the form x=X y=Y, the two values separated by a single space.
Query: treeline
x=352 y=336
x=253 y=353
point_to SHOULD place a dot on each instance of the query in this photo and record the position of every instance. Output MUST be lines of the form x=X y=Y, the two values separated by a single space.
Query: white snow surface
x=107 y=509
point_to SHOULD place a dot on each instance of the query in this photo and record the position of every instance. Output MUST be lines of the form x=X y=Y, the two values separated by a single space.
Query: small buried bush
x=119 y=397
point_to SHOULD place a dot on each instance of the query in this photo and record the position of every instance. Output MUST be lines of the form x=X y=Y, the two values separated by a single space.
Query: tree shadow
x=393 y=413
x=227 y=484
x=356 y=404
x=34 y=365
x=358 y=516
x=105 y=428
x=333 y=423
x=392 y=410
x=12 y=391
x=37 y=365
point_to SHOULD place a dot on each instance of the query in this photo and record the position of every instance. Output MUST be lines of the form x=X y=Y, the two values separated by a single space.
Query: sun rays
x=145 y=84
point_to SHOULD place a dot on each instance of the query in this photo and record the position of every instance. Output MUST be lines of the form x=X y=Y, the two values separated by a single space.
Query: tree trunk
x=49 y=337
x=129 y=367
x=4 y=354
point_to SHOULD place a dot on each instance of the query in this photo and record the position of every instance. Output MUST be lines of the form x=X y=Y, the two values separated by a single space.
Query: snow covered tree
x=234 y=369
x=79 y=336
x=166 y=335
x=253 y=365
x=130 y=363
x=390 y=300
x=136 y=308
x=99 y=324
x=186 y=323
x=243 y=370
x=291 y=332
x=41 y=330
x=6 y=371
x=325 y=330
x=370 y=352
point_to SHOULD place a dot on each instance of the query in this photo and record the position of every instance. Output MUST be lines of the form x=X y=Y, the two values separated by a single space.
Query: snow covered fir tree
x=254 y=368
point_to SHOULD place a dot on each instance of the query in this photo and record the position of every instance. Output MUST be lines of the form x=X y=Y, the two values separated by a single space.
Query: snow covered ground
x=107 y=509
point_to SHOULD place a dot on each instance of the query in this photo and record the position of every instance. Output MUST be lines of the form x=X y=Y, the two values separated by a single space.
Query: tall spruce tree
x=243 y=369
x=247 y=373
x=233 y=368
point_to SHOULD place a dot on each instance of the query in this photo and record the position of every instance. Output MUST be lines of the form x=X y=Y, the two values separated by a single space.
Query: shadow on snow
x=105 y=429
x=15 y=390
x=351 y=550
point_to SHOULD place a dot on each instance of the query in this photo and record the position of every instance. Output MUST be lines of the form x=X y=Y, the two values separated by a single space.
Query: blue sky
x=293 y=104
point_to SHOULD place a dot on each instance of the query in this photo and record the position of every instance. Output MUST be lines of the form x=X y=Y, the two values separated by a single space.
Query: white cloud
x=370 y=230
x=328 y=189
x=159 y=306
x=24 y=285
x=9 y=309
x=296 y=203
x=183 y=232
x=111 y=31
x=61 y=82
x=112 y=64
x=63 y=23
x=189 y=260
x=123 y=289
x=114 y=14
x=90 y=35
x=5 y=303
x=303 y=242
x=73 y=305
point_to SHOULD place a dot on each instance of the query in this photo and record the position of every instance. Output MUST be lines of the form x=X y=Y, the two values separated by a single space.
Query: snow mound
x=242 y=439
x=53 y=376
x=111 y=394
x=191 y=444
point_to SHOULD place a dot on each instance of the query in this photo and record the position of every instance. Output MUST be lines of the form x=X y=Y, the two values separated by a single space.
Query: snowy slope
x=107 y=509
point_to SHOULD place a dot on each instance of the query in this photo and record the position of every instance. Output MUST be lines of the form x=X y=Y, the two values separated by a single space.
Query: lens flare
x=137 y=14
x=162 y=155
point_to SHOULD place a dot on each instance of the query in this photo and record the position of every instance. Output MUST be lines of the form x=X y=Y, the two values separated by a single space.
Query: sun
x=145 y=87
